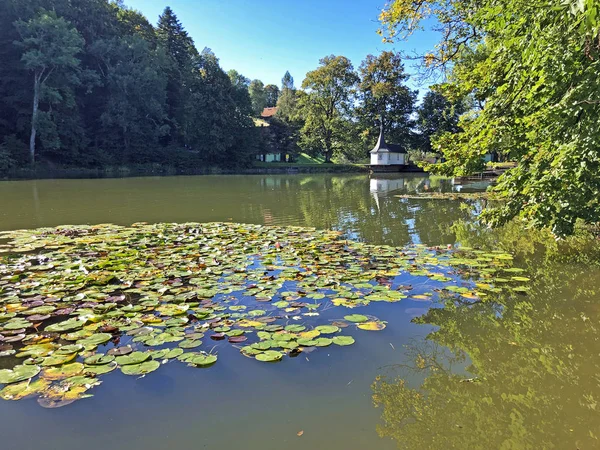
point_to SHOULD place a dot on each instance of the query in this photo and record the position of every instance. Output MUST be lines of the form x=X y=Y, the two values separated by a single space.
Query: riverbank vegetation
x=531 y=70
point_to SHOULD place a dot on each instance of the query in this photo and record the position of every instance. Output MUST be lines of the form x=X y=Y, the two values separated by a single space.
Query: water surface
x=531 y=362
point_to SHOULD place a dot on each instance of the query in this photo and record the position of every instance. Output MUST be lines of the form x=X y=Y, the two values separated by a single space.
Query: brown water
x=518 y=372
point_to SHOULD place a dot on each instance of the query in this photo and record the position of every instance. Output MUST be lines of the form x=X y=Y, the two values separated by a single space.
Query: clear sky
x=264 y=38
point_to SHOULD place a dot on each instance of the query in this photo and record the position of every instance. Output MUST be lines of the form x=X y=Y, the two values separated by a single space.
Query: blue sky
x=264 y=38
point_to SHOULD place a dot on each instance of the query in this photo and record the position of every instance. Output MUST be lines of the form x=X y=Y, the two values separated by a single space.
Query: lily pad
x=269 y=356
x=356 y=318
x=141 y=368
x=19 y=373
x=132 y=358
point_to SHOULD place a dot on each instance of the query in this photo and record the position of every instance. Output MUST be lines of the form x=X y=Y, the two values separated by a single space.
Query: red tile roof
x=269 y=112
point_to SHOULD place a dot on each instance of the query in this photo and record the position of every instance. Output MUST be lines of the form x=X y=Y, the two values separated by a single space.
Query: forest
x=93 y=83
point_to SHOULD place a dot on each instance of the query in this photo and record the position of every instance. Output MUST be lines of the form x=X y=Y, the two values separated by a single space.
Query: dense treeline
x=94 y=84
x=91 y=83
x=338 y=110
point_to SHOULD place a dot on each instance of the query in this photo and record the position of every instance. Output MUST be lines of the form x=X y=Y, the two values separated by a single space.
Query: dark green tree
x=272 y=93
x=258 y=96
x=437 y=115
x=50 y=47
x=182 y=53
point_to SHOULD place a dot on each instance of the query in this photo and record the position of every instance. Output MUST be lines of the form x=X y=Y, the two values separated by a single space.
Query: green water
x=514 y=372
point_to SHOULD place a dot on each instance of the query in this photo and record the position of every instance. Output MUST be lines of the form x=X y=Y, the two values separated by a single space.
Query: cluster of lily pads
x=79 y=302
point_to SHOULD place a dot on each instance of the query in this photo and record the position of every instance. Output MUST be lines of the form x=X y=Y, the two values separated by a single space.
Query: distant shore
x=160 y=170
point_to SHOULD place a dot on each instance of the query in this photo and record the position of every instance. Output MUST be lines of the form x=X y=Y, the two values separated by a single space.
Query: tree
x=272 y=94
x=258 y=96
x=435 y=116
x=327 y=105
x=182 y=53
x=135 y=116
x=539 y=98
x=50 y=46
x=384 y=93
x=287 y=82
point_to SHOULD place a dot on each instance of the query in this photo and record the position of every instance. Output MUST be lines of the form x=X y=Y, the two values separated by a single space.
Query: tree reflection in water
x=532 y=376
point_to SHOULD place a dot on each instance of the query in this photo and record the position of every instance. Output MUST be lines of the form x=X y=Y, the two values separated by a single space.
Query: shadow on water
x=532 y=370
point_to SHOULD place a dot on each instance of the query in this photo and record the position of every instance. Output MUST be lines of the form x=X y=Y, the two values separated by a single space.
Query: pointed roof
x=383 y=147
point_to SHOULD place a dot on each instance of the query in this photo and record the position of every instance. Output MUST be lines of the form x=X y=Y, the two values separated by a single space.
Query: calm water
x=532 y=363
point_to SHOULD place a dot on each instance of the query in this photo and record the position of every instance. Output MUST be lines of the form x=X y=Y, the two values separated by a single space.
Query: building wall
x=386 y=159
x=379 y=159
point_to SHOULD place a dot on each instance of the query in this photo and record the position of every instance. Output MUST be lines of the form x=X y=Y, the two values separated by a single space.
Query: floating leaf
x=343 y=340
x=372 y=326
x=19 y=373
x=356 y=318
x=141 y=368
x=269 y=356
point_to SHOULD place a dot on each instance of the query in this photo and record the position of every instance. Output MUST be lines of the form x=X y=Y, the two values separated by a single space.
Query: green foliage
x=383 y=93
x=132 y=93
x=437 y=115
x=327 y=104
x=272 y=95
x=49 y=46
x=532 y=68
x=258 y=96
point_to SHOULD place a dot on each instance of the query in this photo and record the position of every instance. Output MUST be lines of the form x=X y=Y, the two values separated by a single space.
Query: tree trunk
x=34 y=116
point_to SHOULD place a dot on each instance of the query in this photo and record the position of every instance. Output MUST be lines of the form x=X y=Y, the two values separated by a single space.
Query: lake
x=518 y=370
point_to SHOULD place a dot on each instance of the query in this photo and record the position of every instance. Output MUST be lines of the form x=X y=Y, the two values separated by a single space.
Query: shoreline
x=158 y=170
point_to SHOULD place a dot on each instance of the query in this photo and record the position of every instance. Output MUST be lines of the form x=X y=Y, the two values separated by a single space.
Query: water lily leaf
x=295 y=328
x=101 y=370
x=323 y=342
x=98 y=359
x=327 y=329
x=269 y=356
x=69 y=349
x=67 y=325
x=356 y=318
x=66 y=371
x=141 y=368
x=58 y=359
x=24 y=389
x=372 y=326
x=202 y=360
x=189 y=343
x=343 y=340
x=120 y=351
x=19 y=373
x=132 y=358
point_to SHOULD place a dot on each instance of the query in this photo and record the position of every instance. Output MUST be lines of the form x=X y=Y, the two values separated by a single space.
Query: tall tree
x=437 y=115
x=539 y=95
x=272 y=94
x=327 y=104
x=50 y=46
x=258 y=96
x=383 y=93
x=287 y=102
x=287 y=82
x=180 y=48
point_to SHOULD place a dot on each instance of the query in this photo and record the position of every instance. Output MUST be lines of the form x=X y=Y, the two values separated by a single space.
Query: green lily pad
x=141 y=368
x=269 y=356
x=19 y=373
x=356 y=318
x=132 y=358
x=343 y=340
x=327 y=329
